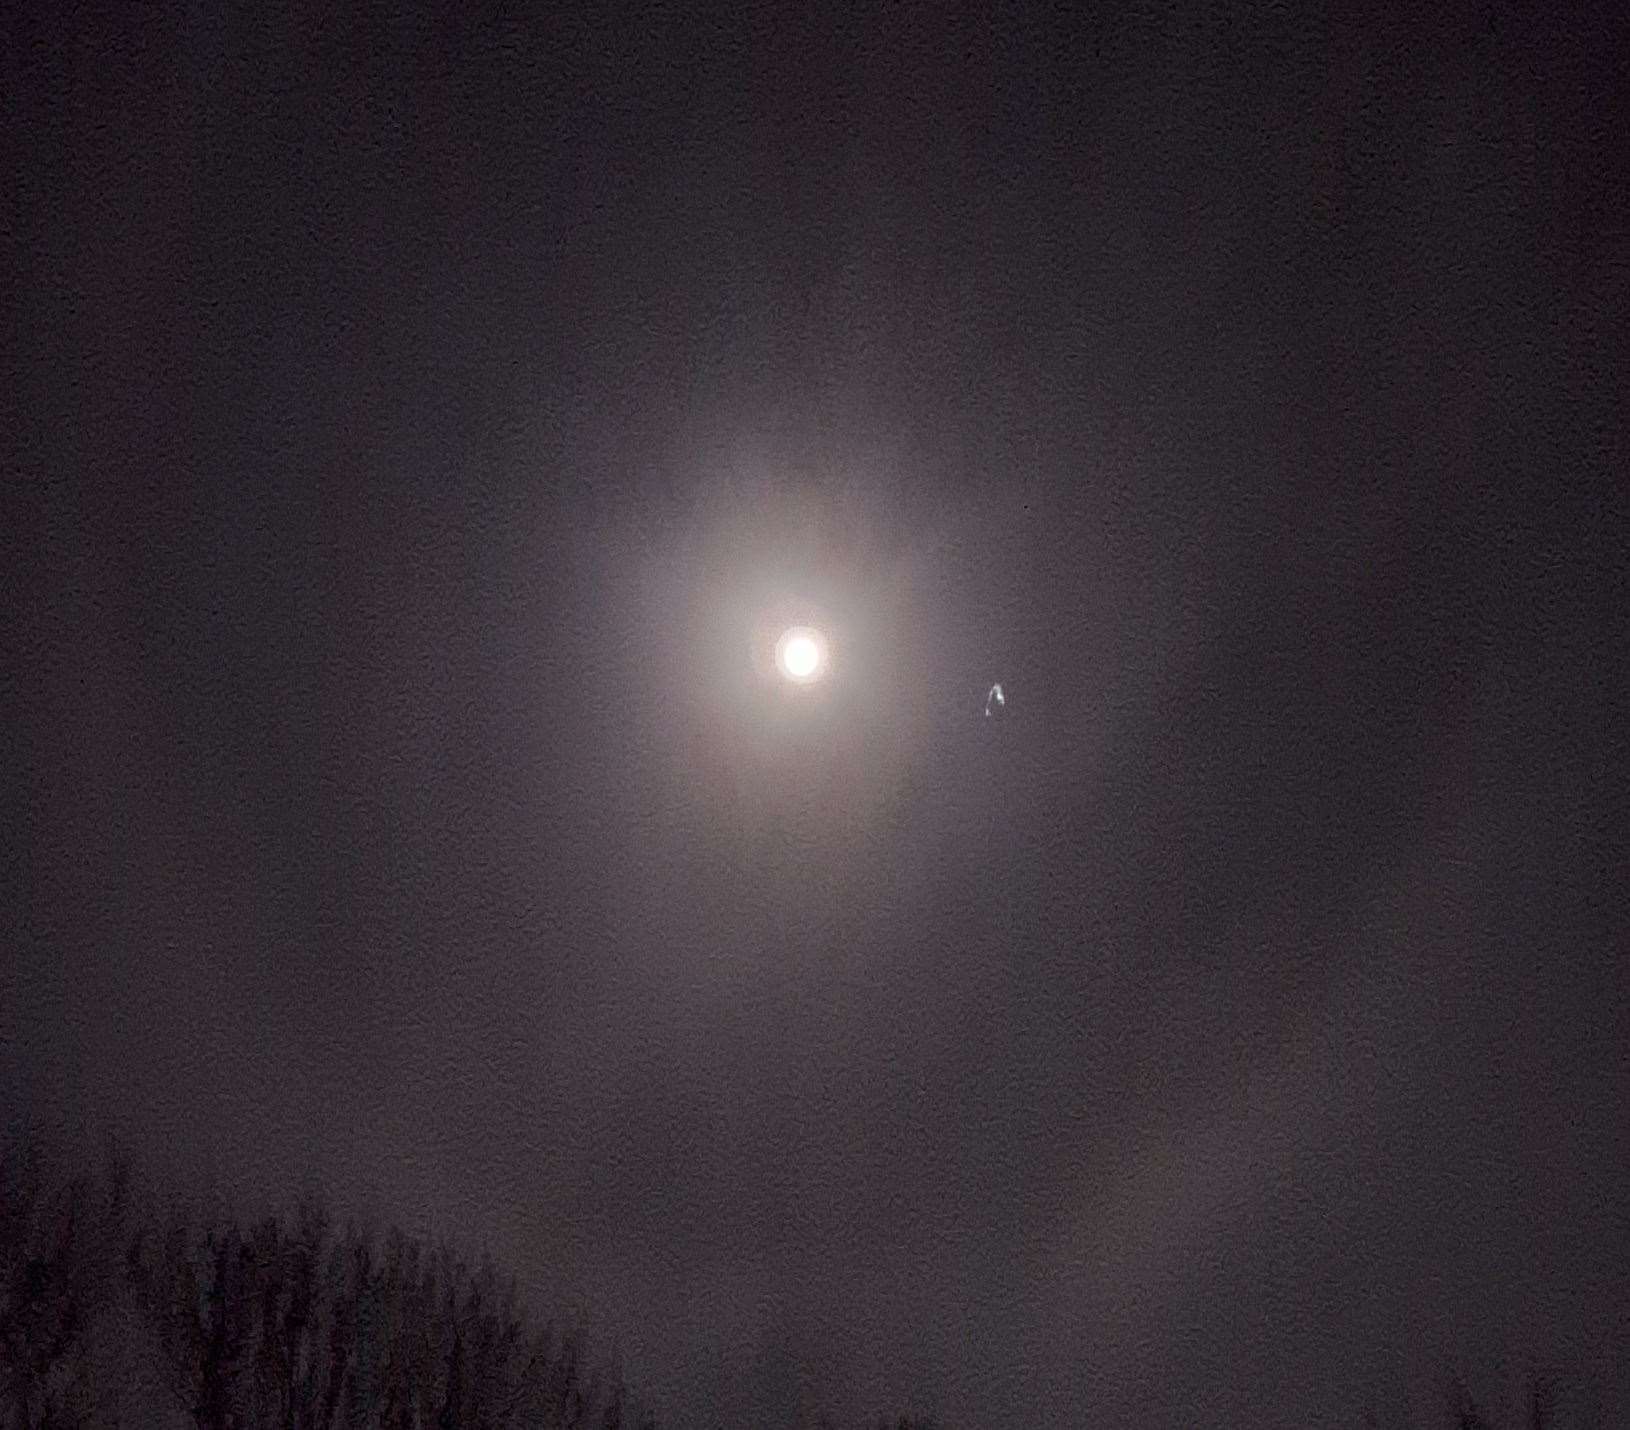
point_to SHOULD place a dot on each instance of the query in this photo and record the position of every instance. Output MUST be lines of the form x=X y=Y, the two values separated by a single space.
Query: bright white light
x=801 y=654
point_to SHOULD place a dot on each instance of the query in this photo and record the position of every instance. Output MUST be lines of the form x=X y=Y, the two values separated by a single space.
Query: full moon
x=801 y=654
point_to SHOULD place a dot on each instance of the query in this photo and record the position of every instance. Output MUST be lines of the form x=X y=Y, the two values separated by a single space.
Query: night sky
x=418 y=425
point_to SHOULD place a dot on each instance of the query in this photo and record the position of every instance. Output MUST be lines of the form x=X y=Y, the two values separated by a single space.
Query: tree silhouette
x=302 y=1331
x=112 y=1316
x=59 y=1268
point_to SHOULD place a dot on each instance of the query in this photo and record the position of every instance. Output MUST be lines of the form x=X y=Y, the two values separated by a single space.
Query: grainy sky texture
x=417 y=423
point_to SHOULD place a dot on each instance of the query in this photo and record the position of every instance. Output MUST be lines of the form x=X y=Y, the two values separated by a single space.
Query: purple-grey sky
x=418 y=420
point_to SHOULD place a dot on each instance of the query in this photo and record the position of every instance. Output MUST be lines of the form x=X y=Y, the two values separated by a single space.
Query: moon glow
x=801 y=654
